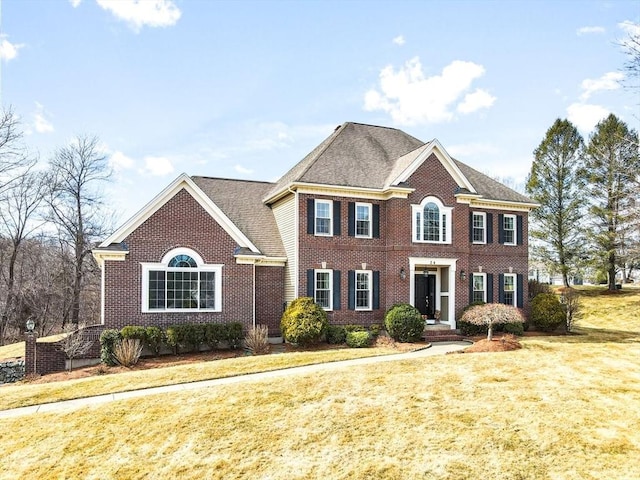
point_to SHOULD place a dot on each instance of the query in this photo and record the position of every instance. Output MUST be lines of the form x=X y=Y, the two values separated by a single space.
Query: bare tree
x=76 y=174
x=14 y=156
x=75 y=342
x=19 y=202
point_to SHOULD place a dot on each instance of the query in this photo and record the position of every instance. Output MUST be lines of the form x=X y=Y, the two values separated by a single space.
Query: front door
x=425 y=294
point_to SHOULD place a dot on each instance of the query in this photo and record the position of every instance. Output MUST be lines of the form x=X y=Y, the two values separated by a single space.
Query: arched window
x=181 y=282
x=432 y=221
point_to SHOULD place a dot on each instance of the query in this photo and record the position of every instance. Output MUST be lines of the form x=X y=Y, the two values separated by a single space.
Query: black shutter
x=311 y=283
x=376 y=290
x=336 y=290
x=500 y=228
x=501 y=288
x=520 y=288
x=336 y=218
x=489 y=287
x=352 y=219
x=311 y=216
x=519 y=229
x=376 y=220
x=470 y=227
x=352 y=290
x=489 y=227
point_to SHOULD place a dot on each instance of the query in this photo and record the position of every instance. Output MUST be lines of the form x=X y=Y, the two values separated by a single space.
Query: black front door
x=425 y=294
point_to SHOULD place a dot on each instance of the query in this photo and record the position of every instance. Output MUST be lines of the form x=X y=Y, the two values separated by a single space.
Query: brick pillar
x=30 y=353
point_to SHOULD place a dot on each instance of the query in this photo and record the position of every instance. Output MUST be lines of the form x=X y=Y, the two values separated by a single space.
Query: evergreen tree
x=612 y=169
x=554 y=182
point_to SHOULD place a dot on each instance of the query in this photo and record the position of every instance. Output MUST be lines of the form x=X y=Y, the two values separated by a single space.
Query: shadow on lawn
x=593 y=335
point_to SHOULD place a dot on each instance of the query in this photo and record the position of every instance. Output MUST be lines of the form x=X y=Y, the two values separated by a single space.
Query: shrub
x=336 y=334
x=108 y=339
x=536 y=288
x=375 y=329
x=257 y=340
x=126 y=352
x=214 y=333
x=358 y=339
x=172 y=337
x=134 y=332
x=514 y=328
x=547 y=313
x=154 y=337
x=404 y=323
x=194 y=335
x=470 y=329
x=303 y=322
x=491 y=314
x=354 y=328
x=233 y=334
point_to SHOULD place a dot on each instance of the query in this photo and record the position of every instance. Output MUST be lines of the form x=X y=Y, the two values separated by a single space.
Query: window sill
x=181 y=310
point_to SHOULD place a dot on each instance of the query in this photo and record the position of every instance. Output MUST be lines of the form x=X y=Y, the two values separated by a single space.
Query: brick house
x=371 y=217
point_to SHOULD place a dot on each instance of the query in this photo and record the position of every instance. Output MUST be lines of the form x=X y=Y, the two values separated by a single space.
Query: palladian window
x=431 y=222
x=181 y=282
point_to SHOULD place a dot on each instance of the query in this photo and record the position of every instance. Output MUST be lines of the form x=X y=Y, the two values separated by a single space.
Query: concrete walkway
x=435 y=349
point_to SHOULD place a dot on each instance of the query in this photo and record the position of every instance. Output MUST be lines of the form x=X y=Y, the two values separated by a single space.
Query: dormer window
x=431 y=221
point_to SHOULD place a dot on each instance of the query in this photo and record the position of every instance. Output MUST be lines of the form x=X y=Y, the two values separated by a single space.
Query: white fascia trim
x=500 y=205
x=260 y=260
x=102 y=256
x=183 y=181
x=436 y=148
x=353 y=192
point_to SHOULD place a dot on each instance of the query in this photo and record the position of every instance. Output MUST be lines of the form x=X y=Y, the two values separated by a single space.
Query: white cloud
x=75 y=3
x=475 y=101
x=243 y=170
x=399 y=40
x=589 y=30
x=41 y=123
x=139 y=13
x=609 y=81
x=410 y=97
x=586 y=116
x=119 y=161
x=630 y=28
x=8 y=50
x=157 y=166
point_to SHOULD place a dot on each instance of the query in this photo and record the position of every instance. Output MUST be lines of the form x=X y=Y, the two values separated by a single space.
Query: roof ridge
x=332 y=137
x=232 y=179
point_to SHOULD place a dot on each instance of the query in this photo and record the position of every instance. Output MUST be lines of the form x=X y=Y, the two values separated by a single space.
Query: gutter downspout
x=254 y=296
x=297 y=232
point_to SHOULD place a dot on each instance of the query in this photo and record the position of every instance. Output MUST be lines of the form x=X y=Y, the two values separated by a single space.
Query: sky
x=245 y=89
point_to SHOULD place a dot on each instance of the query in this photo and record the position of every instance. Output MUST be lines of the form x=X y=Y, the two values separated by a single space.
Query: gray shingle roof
x=241 y=201
x=369 y=156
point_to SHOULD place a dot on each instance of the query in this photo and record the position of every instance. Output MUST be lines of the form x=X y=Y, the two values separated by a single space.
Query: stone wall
x=11 y=371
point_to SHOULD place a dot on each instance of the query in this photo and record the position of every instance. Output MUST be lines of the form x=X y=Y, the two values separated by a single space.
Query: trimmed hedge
x=134 y=331
x=154 y=338
x=303 y=322
x=404 y=323
x=358 y=339
x=336 y=334
x=189 y=337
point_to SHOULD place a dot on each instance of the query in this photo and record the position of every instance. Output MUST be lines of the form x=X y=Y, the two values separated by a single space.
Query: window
x=323 y=293
x=479 y=288
x=509 y=289
x=363 y=290
x=181 y=282
x=479 y=231
x=363 y=220
x=323 y=217
x=432 y=222
x=509 y=229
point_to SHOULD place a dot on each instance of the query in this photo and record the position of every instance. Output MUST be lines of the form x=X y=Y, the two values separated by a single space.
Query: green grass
x=562 y=407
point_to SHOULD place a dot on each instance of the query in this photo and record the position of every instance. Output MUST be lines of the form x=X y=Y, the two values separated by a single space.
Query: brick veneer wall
x=270 y=298
x=181 y=222
x=392 y=250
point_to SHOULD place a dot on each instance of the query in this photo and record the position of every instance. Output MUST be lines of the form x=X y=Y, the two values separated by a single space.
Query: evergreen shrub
x=547 y=313
x=358 y=339
x=108 y=340
x=304 y=322
x=404 y=323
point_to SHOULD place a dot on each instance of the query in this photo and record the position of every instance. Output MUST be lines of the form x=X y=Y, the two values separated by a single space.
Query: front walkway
x=436 y=349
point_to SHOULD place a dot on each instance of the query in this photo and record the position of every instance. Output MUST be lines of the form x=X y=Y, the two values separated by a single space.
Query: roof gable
x=183 y=181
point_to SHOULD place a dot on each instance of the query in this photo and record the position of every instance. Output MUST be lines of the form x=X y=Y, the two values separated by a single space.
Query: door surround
x=420 y=264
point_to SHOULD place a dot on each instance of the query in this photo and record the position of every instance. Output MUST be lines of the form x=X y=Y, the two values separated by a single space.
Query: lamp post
x=31 y=325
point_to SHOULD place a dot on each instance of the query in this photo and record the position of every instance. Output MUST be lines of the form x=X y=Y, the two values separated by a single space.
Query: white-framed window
x=363 y=289
x=479 y=226
x=323 y=293
x=509 y=287
x=431 y=221
x=323 y=216
x=479 y=287
x=181 y=282
x=363 y=220
x=509 y=229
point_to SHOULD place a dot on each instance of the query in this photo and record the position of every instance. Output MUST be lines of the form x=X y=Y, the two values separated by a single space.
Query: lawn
x=562 y=407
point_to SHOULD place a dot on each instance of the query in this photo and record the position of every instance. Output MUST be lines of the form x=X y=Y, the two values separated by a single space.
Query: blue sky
x=243 y=89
